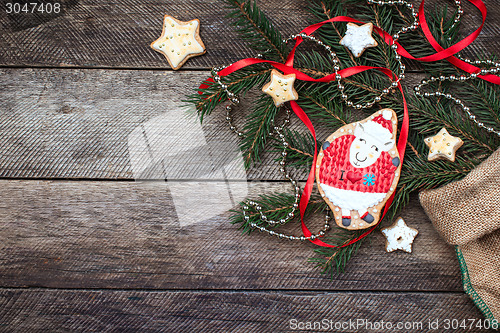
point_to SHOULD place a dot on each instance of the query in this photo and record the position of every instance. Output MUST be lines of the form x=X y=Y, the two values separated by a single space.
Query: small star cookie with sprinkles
x=399 y=236
x=443 y=146
x=281 y=88
x=179 y=41
x=358 y=38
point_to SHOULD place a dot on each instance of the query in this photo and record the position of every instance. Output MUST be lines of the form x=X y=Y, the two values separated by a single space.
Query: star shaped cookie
x=399 y=236
x=179 y=41
x=281 y=88
x=443 y=146
x=358 y=38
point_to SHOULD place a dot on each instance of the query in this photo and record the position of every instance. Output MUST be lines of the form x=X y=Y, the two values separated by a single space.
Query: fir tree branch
x=408 y=143
x=385 y=54
x=257 y=129
x=255 y=27
x=322 y=103
x=333 y=261
x=300 y=152
x=324 y=108
x=326 y=12
x=275 y=206
x=240 y=82
x=426 y=121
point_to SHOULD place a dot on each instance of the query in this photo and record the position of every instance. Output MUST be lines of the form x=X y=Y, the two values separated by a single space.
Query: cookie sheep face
x=366 y=148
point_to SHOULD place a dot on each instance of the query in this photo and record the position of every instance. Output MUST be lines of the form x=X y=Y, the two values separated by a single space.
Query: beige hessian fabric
x=467 y=213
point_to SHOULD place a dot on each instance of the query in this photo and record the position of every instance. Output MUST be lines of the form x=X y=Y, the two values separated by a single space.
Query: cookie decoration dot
x=358 y=38
x=281 y=88
x=443 y=146
x=356 y=173
x=179 y=41
x=399 y=236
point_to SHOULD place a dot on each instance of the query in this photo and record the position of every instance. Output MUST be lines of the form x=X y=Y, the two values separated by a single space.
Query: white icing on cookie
x=179 y=41
x=358 y=38
x=443 y=146
x=399 y=236
x=281 y=88
x=352 y=200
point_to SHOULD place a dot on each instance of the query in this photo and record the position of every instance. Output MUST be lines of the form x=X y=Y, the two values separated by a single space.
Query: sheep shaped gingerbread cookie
x=358 y=169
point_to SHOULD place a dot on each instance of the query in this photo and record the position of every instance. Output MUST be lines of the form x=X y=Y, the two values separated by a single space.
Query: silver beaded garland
x=462 y=78
x=493 y=70
x=459 y=13
x=397 y=35
x=278 y=132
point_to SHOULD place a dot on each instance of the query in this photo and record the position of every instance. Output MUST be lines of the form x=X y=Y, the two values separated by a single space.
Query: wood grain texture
x=194 y=311
x=117 y=35
x=162 y=255
x=84 y=234
x=119 y=124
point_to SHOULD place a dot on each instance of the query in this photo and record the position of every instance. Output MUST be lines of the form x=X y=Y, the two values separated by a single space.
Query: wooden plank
x=193 y=311
x=117 y=124
x=84 y=234
x=88 y=34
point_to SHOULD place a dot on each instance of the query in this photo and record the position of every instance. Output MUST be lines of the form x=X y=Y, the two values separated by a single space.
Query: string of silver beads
x=495 y=69
x=414 y=14
x=235 y=100
x=282 y=167
x=295 y=206
x=277 y=131
x=415 y=24
x=495 y=66
x=460 y=11
x=461 y=78
x=338 y=77
x=410 y=6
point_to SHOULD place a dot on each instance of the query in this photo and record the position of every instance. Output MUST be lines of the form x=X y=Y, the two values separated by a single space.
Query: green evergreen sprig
x=300 y=149
x=333 y=261
x=258 y=128
x=275 y=206
x=256 y=29
x=239 y=82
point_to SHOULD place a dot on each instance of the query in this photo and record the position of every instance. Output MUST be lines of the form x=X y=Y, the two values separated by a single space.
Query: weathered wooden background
x=86 y=247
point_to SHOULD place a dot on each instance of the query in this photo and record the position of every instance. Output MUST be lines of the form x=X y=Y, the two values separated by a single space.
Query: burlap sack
x=467 y=214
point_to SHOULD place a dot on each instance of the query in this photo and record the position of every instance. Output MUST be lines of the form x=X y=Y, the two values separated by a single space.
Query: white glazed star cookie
x=358 y=38
x=399 y=236
x=443 y=146
x=281 y=88
x=179 y=41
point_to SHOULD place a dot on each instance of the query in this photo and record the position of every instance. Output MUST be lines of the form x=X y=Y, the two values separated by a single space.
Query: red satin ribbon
x=287 y=68
x=460 y=45
x=439 y=55
x=401 y=146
